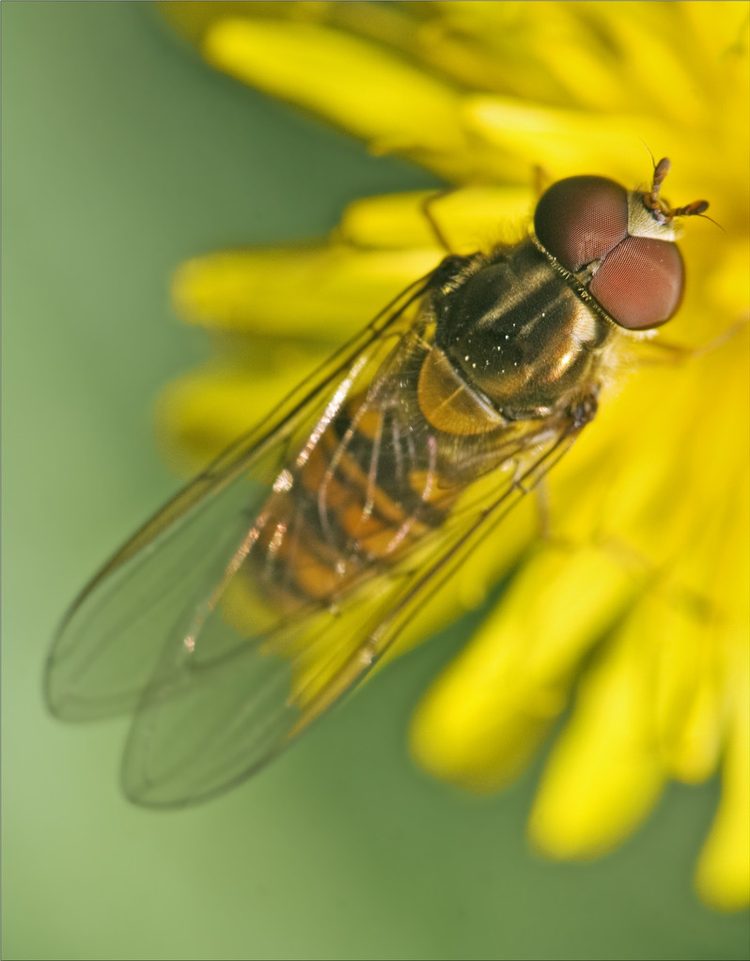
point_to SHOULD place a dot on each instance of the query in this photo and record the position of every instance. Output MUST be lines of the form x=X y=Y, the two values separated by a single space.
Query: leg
x=664 y=352
x=427 y=205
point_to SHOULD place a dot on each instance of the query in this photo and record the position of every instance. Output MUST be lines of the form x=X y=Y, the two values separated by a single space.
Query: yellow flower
x=635 y=613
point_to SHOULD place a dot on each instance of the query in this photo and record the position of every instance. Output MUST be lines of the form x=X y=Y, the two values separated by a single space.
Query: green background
x=123 y=154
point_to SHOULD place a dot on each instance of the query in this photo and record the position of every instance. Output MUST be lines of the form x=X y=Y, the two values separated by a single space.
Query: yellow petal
x=202 y=413
x=326 y=292
x=723 y=873
x=562 y=31
x=722 y=27
x=689 y=712
x=517 y=135
x=651 y=64
x=470 y=219
x=192 y=20
x=356 y=84
x=604 y=774
x=484 y=717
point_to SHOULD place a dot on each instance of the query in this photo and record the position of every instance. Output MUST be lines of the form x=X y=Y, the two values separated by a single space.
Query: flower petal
x=514 y=135
x=486 y=715
x=605 y=773
x=201 y=414
x=723 y=872
x=689 y=712
x=471 y=219
x=355 y=84
x=323 y=292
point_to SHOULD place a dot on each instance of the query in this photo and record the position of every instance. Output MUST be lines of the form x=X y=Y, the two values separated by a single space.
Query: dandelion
x=633 y=612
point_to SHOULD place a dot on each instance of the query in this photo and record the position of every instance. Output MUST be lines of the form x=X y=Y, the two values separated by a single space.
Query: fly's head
x=618 y=244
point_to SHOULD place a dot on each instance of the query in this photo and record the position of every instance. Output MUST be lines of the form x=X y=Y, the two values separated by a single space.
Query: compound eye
x=641 y=282
x=581 y=219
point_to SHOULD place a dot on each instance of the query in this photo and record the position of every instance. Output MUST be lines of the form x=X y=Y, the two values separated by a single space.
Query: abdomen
x=372 y=487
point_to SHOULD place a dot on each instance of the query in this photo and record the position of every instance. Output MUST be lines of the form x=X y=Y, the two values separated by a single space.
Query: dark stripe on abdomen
x=368 y=492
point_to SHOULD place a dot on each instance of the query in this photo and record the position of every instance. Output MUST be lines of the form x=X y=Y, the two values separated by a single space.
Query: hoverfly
x=271 y=583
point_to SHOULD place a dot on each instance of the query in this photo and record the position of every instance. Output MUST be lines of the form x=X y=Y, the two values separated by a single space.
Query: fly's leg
x=650 y=577
x=545 y=517
x=544 y=512
x=427 y=204
x=659 y=352
x=541 y=179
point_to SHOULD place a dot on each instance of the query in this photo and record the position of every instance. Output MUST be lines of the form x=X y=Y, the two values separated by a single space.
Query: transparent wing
x=109 y=643
x=179 y=628
x=224 y=703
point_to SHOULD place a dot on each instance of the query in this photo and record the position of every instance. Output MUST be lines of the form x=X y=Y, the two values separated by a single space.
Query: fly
x=269 y=585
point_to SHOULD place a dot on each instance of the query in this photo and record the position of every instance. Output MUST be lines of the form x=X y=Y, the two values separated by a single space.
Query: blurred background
x=123 y=155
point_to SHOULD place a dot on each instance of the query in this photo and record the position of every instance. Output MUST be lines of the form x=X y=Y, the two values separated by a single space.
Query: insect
x=274 y=581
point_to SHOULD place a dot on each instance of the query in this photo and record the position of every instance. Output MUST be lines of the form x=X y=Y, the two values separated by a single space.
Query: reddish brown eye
x=640 y=283
x=581 y=219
